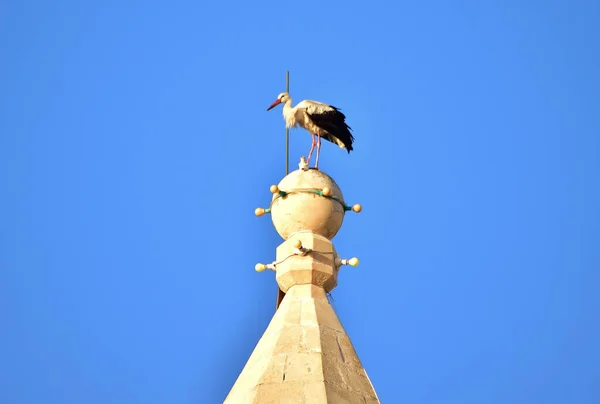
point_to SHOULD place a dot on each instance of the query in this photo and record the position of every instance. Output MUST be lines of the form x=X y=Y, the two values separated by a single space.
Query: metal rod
x=280 y=294
x=287 y=131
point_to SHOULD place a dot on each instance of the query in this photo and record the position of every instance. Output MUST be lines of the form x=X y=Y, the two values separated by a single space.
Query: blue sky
x=135 y=146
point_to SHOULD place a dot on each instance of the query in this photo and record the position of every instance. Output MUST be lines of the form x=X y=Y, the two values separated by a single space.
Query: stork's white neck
x=288 y=114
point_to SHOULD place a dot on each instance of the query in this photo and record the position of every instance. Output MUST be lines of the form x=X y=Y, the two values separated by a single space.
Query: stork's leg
x=314 y=142
x=318 y=150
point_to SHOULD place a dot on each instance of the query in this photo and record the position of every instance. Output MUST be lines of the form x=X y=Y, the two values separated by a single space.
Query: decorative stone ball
x=298 y=210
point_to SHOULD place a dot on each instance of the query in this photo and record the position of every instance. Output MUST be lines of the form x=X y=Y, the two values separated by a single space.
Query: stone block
x=317 y=267
x=304 y=367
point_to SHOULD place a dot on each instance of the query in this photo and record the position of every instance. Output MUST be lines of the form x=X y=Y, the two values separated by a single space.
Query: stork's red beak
x=276 y=103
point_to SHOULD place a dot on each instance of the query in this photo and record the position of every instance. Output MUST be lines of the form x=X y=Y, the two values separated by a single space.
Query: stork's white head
x=281 y=99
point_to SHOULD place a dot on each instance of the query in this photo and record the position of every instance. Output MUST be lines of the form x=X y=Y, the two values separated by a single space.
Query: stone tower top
x=305 y=355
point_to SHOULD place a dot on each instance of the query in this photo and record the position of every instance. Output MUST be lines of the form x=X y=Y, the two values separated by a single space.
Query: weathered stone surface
x=315 y=268
x=299 y=210
x=304 y=357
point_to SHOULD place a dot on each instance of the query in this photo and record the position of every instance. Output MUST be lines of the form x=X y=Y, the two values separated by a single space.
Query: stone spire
x=305 y=355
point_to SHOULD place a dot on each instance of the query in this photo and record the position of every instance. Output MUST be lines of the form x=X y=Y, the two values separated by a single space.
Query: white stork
x=324 y=120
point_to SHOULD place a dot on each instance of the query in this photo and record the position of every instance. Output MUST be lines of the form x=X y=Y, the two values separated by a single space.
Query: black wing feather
x=334 y=123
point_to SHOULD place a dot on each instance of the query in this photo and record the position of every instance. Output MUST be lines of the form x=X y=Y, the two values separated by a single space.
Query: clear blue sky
x=135 y=146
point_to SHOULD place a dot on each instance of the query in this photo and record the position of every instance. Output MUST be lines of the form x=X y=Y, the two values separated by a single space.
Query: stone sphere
x=307 y=211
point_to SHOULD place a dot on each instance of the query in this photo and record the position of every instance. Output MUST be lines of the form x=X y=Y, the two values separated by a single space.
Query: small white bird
x=324 y=121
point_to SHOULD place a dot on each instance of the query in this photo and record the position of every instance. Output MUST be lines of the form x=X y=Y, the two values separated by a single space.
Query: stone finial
x=303 y=165
x=319 y=265
x=299 y=204
x=305 y=356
